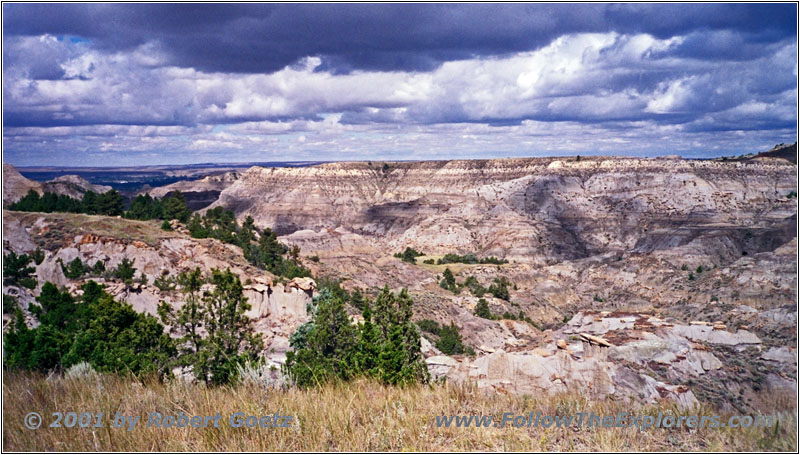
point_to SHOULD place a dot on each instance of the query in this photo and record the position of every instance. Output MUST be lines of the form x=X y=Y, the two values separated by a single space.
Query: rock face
x=530 y=209
x=15 y=186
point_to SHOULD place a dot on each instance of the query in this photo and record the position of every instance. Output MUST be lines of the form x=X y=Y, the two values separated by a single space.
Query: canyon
x=642 y=278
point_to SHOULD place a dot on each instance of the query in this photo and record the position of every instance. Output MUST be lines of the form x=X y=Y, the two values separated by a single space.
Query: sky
x=137 y=84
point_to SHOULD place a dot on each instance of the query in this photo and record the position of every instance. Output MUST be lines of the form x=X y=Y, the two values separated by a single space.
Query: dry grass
x=359 y=416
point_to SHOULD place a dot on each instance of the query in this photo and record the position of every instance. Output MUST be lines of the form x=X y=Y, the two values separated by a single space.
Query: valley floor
x=358 y=416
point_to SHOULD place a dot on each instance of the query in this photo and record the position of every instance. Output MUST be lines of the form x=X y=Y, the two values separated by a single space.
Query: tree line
x=110 y=203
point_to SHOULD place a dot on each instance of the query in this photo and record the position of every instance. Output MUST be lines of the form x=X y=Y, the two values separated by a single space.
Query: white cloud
x=582 y=92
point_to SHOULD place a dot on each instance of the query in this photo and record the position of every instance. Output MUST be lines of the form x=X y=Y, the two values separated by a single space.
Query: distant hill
x=787 y=152
x=15 y=185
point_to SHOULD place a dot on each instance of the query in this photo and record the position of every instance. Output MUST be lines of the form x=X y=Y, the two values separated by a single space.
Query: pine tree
x=110 y=203
x=231 y=339
x=187 y=322
x=16 y=270
x=125 y=271
x=482 y=310
x=448 y=280
x=366 y=358
x=174 y=207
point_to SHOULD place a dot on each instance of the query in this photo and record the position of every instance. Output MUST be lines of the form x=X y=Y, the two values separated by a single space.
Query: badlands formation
x=643 y=279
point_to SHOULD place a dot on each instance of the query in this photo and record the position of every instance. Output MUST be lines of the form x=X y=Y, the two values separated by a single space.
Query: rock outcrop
x=276 y=309
x=15 y=186
x=624 y=355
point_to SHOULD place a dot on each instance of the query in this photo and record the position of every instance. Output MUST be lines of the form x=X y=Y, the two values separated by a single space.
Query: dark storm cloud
x=220 y=82
x=265 y=38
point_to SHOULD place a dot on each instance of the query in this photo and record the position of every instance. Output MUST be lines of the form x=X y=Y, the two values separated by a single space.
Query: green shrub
x=99 y=269
x=109 y=335
x=499 y=288
x=510 y=316
x=474 y=286
x=450 y=342
x=449 y=281
x=470 y=258
x=37 y=256
x=165 y=282
x=429 y=326
x=10 y=304
x=75 y=269
x=409 y=255
x=482 y=310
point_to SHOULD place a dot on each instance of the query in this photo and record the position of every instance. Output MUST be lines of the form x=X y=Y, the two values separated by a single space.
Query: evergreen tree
x=99 y=268
x=110 y=203
x=369 y=339
x=125 y=271
x=499 y=288
x=37 y=256
x=174 y=207
x=230 y=340
x=450 y=340
x=247 y=233
x=16 y=270
x=110 y=335
x=29 y=203
x=448 y=280
x=196 y=227
x=145 y=207
x=386 y=345
x=187 y=322
x=89 y=203
x=75 y=269
x=482 y=310
x=329 y=346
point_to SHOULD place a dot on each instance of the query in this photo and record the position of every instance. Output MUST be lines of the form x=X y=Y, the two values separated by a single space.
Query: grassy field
x=359 y=416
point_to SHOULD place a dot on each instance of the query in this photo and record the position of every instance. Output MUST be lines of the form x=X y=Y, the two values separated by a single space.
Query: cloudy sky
x=115 y=84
